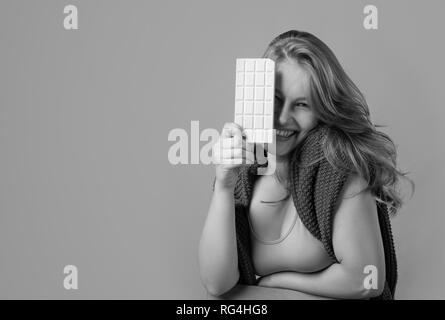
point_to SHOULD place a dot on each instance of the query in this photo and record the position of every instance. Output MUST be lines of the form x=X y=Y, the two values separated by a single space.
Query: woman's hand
x=229 y=153
x=266 y=281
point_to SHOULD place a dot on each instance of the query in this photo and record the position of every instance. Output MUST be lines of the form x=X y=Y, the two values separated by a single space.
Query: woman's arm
x=250 y=292
x=357 y=243
x=218 y=256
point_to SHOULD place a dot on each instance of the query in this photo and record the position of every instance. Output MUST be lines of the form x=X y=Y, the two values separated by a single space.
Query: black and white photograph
x=221 y=151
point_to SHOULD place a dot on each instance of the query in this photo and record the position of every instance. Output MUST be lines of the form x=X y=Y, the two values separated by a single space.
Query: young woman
x=287 y=249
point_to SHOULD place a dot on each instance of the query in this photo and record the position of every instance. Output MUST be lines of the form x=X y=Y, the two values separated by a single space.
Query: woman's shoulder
x=355 y=185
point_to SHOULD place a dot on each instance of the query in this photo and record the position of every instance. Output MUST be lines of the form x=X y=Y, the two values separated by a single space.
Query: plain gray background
x=85 y=116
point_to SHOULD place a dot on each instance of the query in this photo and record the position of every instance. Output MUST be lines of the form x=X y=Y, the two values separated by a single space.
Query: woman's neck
x=281 y=165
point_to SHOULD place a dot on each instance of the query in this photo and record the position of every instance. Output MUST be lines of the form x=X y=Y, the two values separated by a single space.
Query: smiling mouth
x=285 y=133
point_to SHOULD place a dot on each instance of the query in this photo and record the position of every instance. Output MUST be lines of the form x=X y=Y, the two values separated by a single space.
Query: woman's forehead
x=291 y=80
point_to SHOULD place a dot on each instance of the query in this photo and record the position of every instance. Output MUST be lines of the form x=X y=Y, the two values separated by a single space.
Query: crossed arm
x=357 y=244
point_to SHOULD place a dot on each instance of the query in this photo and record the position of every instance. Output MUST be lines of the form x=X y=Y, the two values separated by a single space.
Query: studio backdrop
x=91 y=93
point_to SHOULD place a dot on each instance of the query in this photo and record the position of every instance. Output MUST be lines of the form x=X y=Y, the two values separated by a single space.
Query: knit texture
x=315 y=189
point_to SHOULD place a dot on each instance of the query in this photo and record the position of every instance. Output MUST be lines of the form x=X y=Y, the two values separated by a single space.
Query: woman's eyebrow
x=295 y=100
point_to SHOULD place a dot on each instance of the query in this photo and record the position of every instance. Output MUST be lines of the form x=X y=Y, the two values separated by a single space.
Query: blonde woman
x=320 y=224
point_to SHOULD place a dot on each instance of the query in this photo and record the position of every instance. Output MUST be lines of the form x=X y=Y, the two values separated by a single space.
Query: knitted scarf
x=315 y=188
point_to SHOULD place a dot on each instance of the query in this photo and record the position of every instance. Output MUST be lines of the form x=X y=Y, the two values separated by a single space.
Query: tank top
x=280 y=241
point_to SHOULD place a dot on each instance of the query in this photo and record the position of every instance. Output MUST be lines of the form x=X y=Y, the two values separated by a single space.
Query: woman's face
x=294 y=117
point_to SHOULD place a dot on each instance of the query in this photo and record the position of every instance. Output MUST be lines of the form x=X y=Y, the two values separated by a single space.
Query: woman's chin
x=283 y=153
x=284 y=148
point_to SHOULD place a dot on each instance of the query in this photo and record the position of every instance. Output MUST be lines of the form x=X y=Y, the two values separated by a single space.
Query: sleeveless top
x=280 y=241
x=315 y=186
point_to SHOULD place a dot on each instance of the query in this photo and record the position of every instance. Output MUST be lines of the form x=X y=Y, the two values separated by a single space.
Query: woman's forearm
x=218 y=257
x=336 y=281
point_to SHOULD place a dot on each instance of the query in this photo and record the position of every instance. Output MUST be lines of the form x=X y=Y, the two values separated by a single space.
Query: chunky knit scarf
x=315 y=188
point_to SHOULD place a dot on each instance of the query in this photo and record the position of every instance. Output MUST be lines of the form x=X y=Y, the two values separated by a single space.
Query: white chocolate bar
x=254 y=97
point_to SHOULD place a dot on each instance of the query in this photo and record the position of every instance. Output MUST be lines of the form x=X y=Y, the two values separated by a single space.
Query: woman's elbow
x=221 y=287
x=370 y=293
x=219 y=291
x=369 y=283
x=214 y=292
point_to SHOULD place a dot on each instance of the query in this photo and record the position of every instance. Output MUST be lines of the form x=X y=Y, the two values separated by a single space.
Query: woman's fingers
x=232 y=149
x=233 y=143
x=238 y=153
x=231 y=129
x=230 y=155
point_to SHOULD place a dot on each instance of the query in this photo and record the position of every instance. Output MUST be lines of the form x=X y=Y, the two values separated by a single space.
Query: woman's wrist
x=224 y=186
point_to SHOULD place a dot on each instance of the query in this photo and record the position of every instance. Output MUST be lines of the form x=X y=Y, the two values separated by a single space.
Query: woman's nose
x=284 y=115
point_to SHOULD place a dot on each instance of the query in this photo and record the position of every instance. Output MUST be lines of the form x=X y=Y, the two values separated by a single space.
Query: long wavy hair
x=352 y=144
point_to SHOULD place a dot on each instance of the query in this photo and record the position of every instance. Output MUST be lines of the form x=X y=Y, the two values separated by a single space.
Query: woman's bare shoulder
x=355 y=185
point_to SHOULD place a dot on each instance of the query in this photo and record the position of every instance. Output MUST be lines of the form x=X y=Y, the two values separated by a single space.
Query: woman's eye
x=301 y=104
